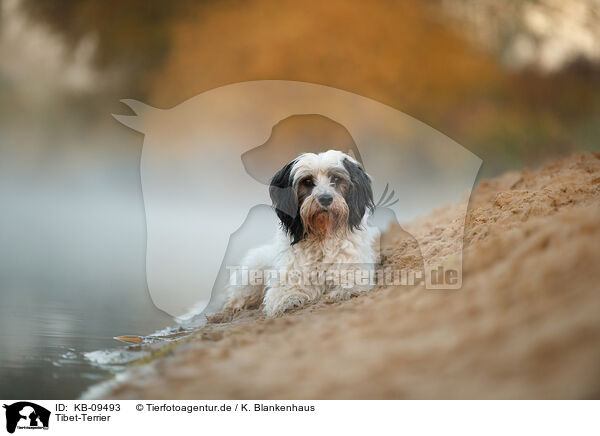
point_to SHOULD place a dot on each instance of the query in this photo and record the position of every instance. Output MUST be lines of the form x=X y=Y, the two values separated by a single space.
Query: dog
x=324 y=248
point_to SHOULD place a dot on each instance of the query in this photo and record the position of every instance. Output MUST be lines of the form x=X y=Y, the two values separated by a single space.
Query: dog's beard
x=321 y=222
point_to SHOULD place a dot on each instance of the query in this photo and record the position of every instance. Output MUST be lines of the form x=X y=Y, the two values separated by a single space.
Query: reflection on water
x=71 y=278
x=45 y=333
x=44 y=341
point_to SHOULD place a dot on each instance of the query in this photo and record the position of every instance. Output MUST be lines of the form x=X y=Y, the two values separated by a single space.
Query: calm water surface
x=72 y=276
x=42 y=353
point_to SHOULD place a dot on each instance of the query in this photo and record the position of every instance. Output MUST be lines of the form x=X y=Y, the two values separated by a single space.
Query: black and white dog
x=324 y=246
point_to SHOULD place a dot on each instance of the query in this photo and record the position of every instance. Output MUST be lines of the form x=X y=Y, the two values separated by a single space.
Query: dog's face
x=321 y=195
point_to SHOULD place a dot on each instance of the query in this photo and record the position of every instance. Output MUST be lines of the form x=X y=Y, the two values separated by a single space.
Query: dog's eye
x=336 y=180
x=308 y=182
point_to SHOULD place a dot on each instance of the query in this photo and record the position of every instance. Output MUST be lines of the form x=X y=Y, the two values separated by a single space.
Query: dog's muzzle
x=325 y=200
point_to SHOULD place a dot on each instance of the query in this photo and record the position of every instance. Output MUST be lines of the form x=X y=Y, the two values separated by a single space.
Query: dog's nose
x=325 y=199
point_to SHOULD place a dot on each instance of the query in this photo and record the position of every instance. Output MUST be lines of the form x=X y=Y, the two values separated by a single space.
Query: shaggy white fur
x=325 y=247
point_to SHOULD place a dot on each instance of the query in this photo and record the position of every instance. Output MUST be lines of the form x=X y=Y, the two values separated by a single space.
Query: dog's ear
x=285 y=202
x=360 y=195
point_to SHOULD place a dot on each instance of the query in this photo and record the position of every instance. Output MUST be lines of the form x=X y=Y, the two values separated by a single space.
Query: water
x=72 y=277
x=72 y=262
x=45 y=342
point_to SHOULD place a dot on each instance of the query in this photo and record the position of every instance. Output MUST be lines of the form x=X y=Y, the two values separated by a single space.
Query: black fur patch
x=286 y=204
x=360 y=195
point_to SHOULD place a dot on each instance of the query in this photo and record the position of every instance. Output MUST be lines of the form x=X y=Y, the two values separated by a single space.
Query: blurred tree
x=412 y=55
x=131 y=35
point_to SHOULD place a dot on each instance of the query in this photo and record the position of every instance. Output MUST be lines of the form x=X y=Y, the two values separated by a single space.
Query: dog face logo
x=26 y=415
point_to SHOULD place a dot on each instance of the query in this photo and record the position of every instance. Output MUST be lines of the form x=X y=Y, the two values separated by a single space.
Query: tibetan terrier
x=325 y=249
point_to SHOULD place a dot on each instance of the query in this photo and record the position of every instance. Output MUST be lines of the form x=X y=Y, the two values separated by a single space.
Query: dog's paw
x=243 y=299
x=277 y=305
x=219 y=317
x=340 y=295
x=234 y=304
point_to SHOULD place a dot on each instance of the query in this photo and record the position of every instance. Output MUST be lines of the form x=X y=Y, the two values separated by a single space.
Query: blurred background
x=515 y=82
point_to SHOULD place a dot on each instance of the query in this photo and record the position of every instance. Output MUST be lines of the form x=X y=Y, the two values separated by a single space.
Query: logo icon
x=26 y=415
x=207 y=162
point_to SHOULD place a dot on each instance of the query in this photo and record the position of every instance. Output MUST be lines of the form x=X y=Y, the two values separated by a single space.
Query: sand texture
x=526 y=323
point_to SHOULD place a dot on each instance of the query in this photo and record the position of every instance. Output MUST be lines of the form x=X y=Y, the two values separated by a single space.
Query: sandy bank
x=526 y=323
